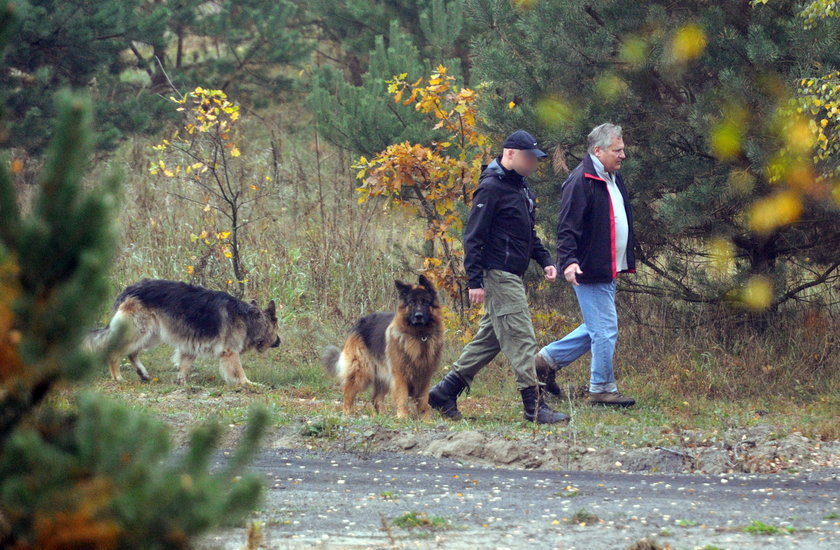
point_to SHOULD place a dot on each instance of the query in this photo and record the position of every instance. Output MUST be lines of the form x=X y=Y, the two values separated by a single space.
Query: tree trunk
x=235 y=259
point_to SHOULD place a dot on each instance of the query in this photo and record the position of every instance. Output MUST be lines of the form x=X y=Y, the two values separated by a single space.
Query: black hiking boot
x=443 y=397
x=547 y=377
x=536 y=409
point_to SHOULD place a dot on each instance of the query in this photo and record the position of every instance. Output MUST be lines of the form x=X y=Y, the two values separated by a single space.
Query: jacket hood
x=495 y=169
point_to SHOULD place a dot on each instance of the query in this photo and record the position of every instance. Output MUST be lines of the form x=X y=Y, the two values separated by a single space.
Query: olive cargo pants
x=506 y=327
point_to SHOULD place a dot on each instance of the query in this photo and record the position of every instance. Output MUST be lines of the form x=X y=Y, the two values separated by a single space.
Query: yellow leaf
x=511 y=105
x=769 y=213
x=235 y=151
x=688 y=43
x=722 y=254
x=758 y=293
x=725 y=140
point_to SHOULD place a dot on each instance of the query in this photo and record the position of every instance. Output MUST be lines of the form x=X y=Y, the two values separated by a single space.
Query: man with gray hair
x=594 y=244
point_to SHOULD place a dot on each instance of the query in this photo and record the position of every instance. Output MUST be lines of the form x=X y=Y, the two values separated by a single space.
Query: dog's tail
x=109 y=339
x=98 y=339
x=330 y=359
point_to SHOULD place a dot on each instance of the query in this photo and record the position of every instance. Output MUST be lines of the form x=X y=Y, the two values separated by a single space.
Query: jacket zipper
x=528 y=205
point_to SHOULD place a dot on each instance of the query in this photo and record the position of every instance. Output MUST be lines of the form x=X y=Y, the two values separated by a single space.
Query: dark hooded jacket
x=586 y=226
x=500 y=232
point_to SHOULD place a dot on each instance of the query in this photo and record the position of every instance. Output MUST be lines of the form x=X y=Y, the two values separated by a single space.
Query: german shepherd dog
x=193 y=320
x=397 y=352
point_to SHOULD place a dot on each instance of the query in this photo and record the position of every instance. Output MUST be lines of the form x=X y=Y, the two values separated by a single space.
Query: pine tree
x=99 y=475
x=253 y=44
x=126 y=51
x=437 y=29
x=719 y=154
x=79 y=45
x=350 y=100
x=364 y=118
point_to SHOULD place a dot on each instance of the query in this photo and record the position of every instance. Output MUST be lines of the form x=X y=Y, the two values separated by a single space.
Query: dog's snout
x=276 y=343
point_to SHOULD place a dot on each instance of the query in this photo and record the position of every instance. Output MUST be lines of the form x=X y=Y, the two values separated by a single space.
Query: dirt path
x=319 y=499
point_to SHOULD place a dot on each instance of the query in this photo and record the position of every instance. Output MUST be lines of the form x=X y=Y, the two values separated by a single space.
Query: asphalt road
x=339 y=500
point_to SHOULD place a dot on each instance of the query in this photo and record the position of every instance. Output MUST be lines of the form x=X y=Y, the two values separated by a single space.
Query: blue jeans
x=597 y=334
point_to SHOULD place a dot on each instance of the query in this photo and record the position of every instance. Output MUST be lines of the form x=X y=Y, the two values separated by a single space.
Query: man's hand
x=476 y=296
x=550 y=273
x=571 y=272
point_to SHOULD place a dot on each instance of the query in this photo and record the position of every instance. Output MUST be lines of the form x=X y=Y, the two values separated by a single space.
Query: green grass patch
x=686 y=523
x=415 y=520
x=584 y=517
x=322 y=427
x=761 y=528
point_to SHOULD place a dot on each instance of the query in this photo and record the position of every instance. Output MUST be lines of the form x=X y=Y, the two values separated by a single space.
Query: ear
x=402 y=288
x=271 y=310
x=426 y=283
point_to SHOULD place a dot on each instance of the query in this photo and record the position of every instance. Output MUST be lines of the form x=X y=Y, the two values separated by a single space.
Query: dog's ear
x=426 y=283
x=402 y=288
x=271 y=310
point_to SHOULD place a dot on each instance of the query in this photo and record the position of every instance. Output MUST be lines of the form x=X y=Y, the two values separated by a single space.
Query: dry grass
x=328 y=260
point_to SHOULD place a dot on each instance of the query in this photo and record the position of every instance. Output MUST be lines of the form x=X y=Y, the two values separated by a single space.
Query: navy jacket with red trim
x=500 y=231
x=586 y=227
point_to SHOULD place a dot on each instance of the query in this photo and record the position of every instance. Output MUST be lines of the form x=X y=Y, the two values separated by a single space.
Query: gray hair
x=602 y=136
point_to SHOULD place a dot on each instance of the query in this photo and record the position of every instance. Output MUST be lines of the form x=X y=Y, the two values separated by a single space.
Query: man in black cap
x=499 y=243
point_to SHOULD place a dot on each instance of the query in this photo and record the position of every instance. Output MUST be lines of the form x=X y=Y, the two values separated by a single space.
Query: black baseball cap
x=521 y=139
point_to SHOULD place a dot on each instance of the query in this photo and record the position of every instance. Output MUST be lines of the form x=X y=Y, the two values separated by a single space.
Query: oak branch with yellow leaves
x=432 y=180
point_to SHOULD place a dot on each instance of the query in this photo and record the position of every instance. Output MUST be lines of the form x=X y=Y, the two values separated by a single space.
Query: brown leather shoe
x=611 y=398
